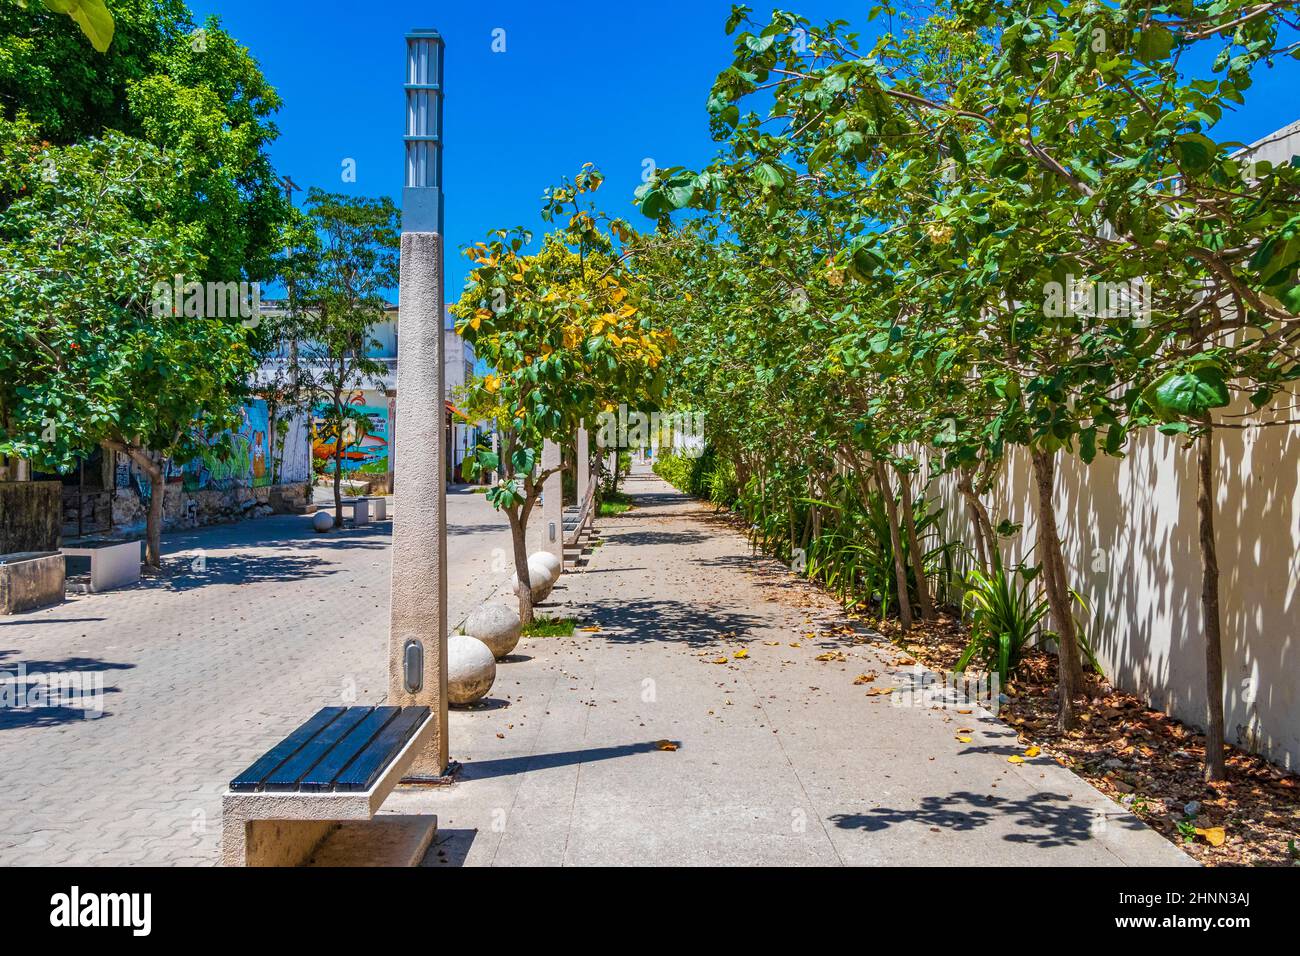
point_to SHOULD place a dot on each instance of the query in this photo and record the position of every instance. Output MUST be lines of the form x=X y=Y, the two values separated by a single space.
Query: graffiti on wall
x=246 y=463
x=365 y=446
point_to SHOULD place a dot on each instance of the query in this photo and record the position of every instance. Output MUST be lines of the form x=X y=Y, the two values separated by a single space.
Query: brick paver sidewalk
x=203 y=671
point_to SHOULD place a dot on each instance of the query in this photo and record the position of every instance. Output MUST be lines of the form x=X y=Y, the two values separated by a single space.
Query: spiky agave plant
x=1004 y=618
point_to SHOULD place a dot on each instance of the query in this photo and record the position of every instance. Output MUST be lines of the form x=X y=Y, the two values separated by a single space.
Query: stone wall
x=192 y=509
x=31 y=514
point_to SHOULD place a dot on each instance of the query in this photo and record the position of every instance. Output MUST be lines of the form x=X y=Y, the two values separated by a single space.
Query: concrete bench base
x=387 y=840
x=113 y=564
x=360 y=510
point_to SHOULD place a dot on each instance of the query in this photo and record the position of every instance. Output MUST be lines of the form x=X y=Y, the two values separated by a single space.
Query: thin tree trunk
x=153 y=532
x=519 y=543
x=338 y=480
x=986 y=546
x=914 y=547
x=896 y=540
x=1068 y=669
x=1215 y=768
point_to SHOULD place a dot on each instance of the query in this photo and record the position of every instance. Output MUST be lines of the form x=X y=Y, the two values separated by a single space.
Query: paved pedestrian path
x=256 y=626
x=773 y=757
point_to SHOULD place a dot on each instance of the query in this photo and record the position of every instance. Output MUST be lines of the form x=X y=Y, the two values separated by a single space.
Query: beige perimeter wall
x=1131 y=544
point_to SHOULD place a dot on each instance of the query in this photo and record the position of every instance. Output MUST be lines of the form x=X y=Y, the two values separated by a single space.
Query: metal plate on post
x=413 y=666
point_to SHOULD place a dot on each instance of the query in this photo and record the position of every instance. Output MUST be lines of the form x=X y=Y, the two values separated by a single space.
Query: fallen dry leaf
x=741 y=654
x=865 y=678
x=720 y=660
x=1214 y=836
x=590 y=630
x=1015 y=758
x=964 y=740
x=1033 y=751
x=665 y=745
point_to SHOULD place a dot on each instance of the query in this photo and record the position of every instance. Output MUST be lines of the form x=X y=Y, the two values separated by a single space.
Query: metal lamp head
x=422 y=194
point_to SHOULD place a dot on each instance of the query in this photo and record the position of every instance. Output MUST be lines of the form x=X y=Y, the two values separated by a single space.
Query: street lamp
x=417 y=631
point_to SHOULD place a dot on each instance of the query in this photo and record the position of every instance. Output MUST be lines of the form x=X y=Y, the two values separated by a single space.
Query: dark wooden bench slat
x=287 y=775
x=370 y=763
x=321 y=777
x=251 y=778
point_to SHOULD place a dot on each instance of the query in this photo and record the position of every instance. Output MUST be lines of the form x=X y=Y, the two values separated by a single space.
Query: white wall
x=1132 y=548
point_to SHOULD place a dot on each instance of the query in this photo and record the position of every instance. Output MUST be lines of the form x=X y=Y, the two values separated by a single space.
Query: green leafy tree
x=90 y=356
x=342 y=270
x=954 y=172
x=564 y=335
x=191 y=90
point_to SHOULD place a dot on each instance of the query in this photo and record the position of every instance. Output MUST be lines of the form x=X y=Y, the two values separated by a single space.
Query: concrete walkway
x=780 y=758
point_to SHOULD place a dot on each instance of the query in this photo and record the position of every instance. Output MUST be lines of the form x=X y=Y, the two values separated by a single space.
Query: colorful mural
x=246 y=463
x=364 y=449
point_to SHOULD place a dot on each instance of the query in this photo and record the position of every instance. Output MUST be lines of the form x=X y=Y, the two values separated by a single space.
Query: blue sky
x=615 y=84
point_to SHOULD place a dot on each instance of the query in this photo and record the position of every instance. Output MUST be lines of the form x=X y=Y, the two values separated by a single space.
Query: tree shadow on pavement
x=696 y=624
x=184 y=573
x=1043 y=819
x=47 y=693
x=648 y=537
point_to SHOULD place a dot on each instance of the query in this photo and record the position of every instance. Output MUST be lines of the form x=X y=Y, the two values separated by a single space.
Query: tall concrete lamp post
x=417 y=637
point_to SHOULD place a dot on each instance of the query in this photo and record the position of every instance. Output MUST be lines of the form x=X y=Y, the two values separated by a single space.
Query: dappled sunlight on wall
x=1130 y=540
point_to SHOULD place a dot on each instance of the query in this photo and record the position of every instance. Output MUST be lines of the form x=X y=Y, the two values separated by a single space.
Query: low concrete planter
x=30 y=580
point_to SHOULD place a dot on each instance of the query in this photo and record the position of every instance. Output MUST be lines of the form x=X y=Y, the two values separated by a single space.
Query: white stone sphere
x=322 y=521
x=541 y=572
x=471 y=669
x=541 y=586
x=548 y=561
x=495 y=625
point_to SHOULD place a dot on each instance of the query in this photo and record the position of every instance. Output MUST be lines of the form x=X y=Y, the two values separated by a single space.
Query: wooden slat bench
x=312 y=797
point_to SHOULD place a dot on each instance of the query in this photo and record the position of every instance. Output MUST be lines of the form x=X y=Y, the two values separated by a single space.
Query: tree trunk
x=519 y=543
x=153 y=530
x=896 y=540
x=338 y=477
x=914 y=547
x=272 y=420
x=1214 y=759
x=986 y=541
x=156 y=472
x=1069 y=672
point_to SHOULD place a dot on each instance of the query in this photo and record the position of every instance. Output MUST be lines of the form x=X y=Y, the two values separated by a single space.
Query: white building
x=378 y=398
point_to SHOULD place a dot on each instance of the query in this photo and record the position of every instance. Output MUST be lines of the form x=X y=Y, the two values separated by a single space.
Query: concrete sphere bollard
x=495 y=625
x=548 y=561
x=471 y=669
x=537 y=571
x=541 y=584
x=322 y=521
